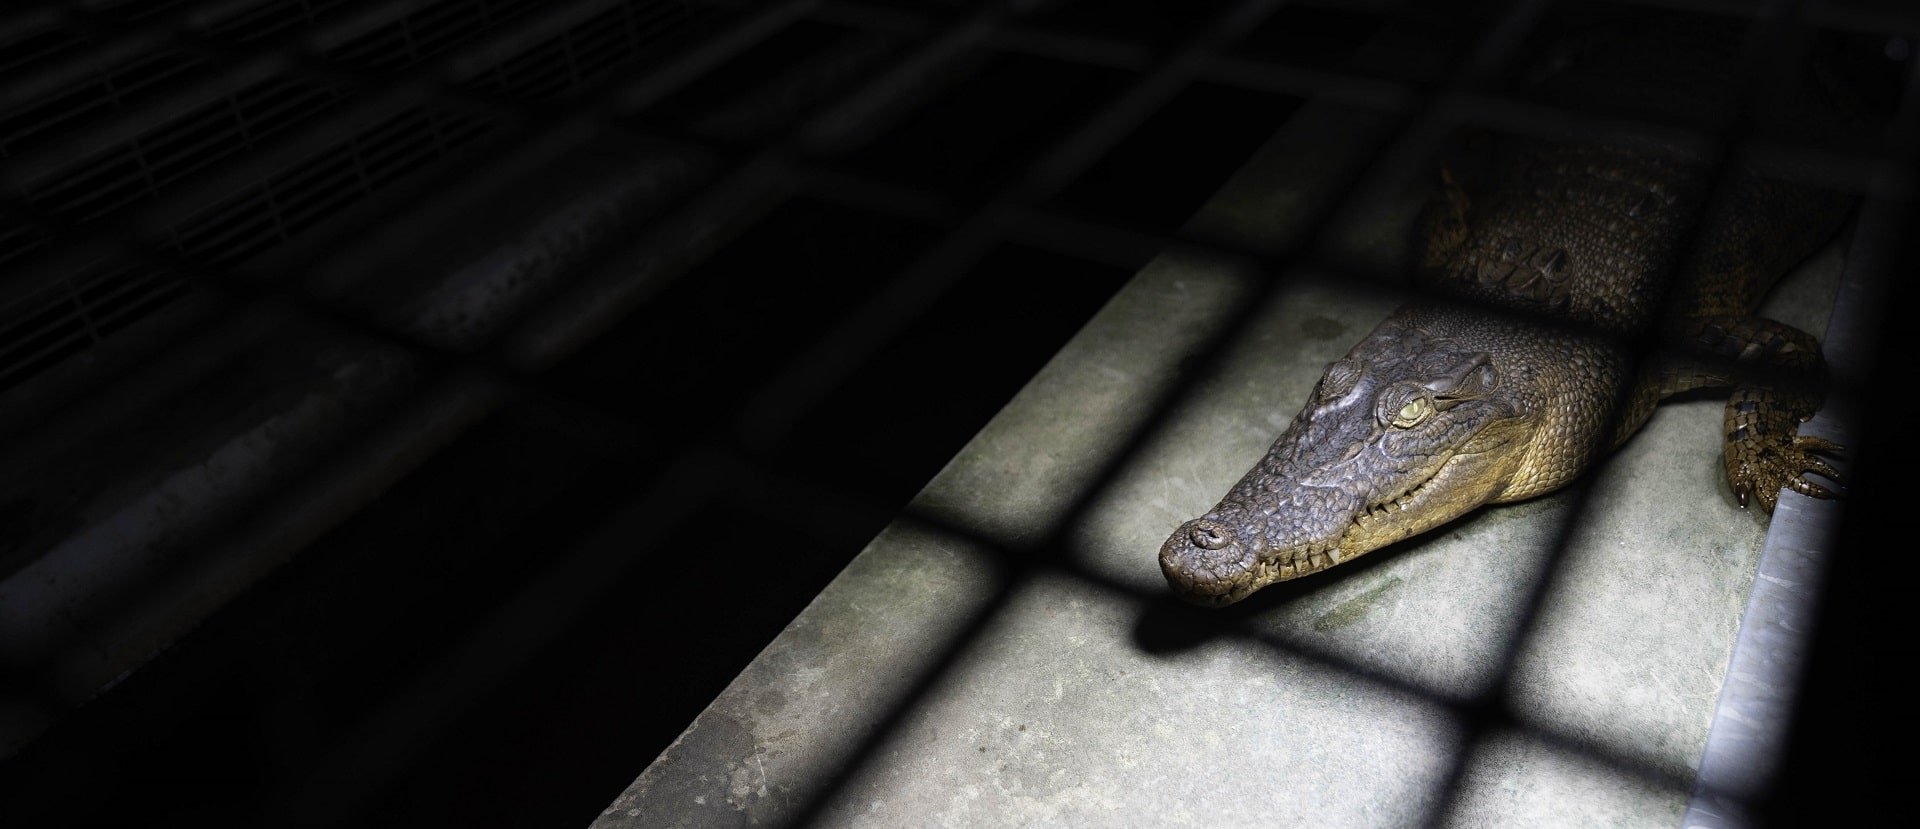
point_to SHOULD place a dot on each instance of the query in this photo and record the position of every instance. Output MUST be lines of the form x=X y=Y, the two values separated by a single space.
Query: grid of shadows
x=1134 y=84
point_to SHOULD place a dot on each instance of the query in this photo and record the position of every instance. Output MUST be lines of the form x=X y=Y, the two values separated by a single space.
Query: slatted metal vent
x=288 y=202
x=428 y=32
x=97 y=92
x=585 y=50
x=133 y=11
x=146 y=167
x=259 y=22
x=80 y=312
x=184 y=128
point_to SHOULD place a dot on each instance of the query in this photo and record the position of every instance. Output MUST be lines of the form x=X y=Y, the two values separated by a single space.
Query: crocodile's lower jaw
x=1269 y=571
x=1286 y=565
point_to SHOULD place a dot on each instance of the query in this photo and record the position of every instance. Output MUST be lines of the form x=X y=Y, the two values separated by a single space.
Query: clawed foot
x=1760 y=465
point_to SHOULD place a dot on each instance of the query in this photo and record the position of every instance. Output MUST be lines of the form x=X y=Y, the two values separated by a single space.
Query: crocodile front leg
x=1776 y=375
x=1764 y=451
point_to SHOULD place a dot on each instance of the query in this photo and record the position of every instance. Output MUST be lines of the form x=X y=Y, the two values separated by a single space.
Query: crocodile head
x=1420 y=423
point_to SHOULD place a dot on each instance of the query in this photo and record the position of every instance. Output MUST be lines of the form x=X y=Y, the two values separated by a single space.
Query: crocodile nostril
x=1207 y=538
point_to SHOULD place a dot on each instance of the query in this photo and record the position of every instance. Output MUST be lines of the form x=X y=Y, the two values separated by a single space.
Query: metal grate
x=171 y=154
x=429 y=32
x=977 y=214
x=146 y=167
x=135 y=11
x=20 y=241
x=120 y=88
x=275 y=210
x=583 y=51
x=268 y=19
x=24 y=53
x=72 y=316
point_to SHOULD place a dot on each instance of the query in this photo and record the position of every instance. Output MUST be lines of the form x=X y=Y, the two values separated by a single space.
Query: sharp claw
x=1809 y=488
x=1740 y=494
x=1817 y=444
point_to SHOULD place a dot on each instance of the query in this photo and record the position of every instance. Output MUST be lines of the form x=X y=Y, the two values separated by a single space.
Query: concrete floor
x=1081 y=696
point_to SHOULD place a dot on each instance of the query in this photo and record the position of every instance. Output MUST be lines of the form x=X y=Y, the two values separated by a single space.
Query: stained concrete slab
x=1516 y=780
x=924 y=688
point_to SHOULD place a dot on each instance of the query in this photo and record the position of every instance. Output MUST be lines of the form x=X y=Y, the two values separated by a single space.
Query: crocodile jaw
x=1463 y=482
x=1459 y=482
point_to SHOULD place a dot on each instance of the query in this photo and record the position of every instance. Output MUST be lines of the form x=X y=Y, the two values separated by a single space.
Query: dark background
x=282 y=691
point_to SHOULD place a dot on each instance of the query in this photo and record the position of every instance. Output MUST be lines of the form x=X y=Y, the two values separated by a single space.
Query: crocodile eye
x=1415 y=411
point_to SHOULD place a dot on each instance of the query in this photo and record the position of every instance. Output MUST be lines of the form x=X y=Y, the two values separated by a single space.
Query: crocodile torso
x=1544 y=272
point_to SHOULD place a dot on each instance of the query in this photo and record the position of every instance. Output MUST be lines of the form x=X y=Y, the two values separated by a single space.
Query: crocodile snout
x=1205 y=559
x=1208 y=537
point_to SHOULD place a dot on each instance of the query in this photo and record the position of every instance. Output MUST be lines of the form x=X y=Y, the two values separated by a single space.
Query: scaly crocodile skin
x=1557 y=257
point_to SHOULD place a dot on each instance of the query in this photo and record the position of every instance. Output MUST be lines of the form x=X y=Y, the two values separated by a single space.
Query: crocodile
x=1545 y=275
